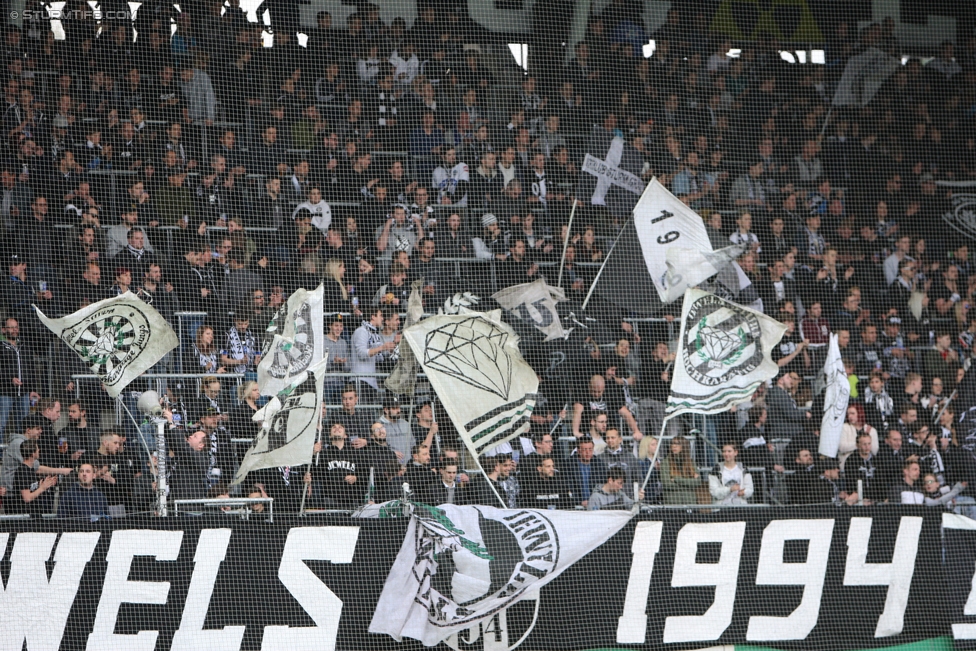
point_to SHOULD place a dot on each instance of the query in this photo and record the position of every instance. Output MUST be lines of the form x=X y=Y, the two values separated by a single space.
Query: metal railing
x=230 y=502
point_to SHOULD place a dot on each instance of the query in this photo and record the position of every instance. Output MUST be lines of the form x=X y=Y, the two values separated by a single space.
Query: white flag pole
x=606 y=259
x=569 y=233
x=657 y=453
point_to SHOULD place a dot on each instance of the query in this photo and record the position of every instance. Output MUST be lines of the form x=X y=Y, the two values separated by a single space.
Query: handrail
x=230 y=501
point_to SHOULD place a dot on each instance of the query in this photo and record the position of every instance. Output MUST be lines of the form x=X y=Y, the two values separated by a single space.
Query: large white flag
x=459 y=565
x=535 y=302
x=835 y=401
x=300 y=344
x=119 y=338
x=863 y=77
x=663 y=222
x=473 y=362
x=724 y=354
x=289 y=424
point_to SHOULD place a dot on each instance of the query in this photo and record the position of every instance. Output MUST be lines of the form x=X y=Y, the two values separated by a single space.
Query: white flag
x=724 y=354
x=459 y=565
x=835 y=401
x=863 y=77
x=403 y=378
x=662 y=222
x=290 y=422
x=119 y=338
x=300 y=344
x=535 y=302
x=473 y=362
x=690 y=267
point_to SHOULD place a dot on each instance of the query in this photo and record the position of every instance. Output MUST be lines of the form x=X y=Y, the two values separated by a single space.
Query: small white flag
x=300 y=344
x=690 y=267
x=290 y=424
x=535 y=302
x=835 y=401
x=724 y=354
x=119 y=338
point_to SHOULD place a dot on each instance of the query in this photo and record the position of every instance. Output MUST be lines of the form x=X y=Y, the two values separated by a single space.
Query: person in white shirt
x=320 y=210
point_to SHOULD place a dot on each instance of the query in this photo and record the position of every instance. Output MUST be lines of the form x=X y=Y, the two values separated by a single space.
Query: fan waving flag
x=472 y=361
x=835 y=400
x=119 y=338
x=290 y=422
x=534 y=302
x=300 y=344
x=724 y=354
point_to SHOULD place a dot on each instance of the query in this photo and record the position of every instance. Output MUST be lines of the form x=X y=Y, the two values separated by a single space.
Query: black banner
x=825 y=578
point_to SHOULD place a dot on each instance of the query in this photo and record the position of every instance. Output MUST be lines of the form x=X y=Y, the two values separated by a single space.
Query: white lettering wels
x=117 y=589
x=335 y=544
x=211 y=551
x=31 y=607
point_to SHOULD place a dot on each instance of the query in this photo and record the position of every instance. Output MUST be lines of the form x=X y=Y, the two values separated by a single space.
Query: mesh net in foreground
x=443 y=200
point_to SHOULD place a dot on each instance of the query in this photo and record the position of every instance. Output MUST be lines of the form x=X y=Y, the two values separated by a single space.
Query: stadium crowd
x=208 y=174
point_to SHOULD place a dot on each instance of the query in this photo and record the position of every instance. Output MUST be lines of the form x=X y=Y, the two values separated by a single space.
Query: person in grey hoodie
x=199 y=94
x=611 y=495
x=398 y=435
x=31 y=430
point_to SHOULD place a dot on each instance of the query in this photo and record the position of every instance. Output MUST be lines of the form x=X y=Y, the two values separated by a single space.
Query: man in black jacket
x=488 y=488
x=18 y=385
x=447 y=489
x=194 y=284
x=340 y=472
x=546 y=489
x=420 y=476
x=189 y=479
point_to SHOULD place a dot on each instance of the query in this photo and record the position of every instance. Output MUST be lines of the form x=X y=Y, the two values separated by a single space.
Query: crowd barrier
x=834 y=578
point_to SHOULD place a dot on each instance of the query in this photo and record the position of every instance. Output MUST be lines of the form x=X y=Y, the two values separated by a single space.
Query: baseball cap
x=391 y=401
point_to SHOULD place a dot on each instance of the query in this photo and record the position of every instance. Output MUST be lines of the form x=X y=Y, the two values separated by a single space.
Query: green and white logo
x=721 y=341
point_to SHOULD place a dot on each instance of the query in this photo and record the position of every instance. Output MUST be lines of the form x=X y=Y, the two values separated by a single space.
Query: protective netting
x=483 y=216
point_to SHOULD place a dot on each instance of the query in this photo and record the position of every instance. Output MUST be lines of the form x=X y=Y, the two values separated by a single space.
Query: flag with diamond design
x=724 y=354
x=473 y=363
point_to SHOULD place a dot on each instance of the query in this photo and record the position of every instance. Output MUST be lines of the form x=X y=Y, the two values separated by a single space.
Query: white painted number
x=632 y=624
x=810 y=574
x=897 y=574
x=723 y=575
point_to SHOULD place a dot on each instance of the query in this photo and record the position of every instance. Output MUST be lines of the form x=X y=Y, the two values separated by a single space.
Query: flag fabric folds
x=639 y=258
x=534 y=302
x=119 y=338
x=863 y=77
x=459 y=565
x=691 y=267
x=835 y=400
x=724 y=354
x=290 y=423
x=473 y=363
x=300 y=344
x=403 y=378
